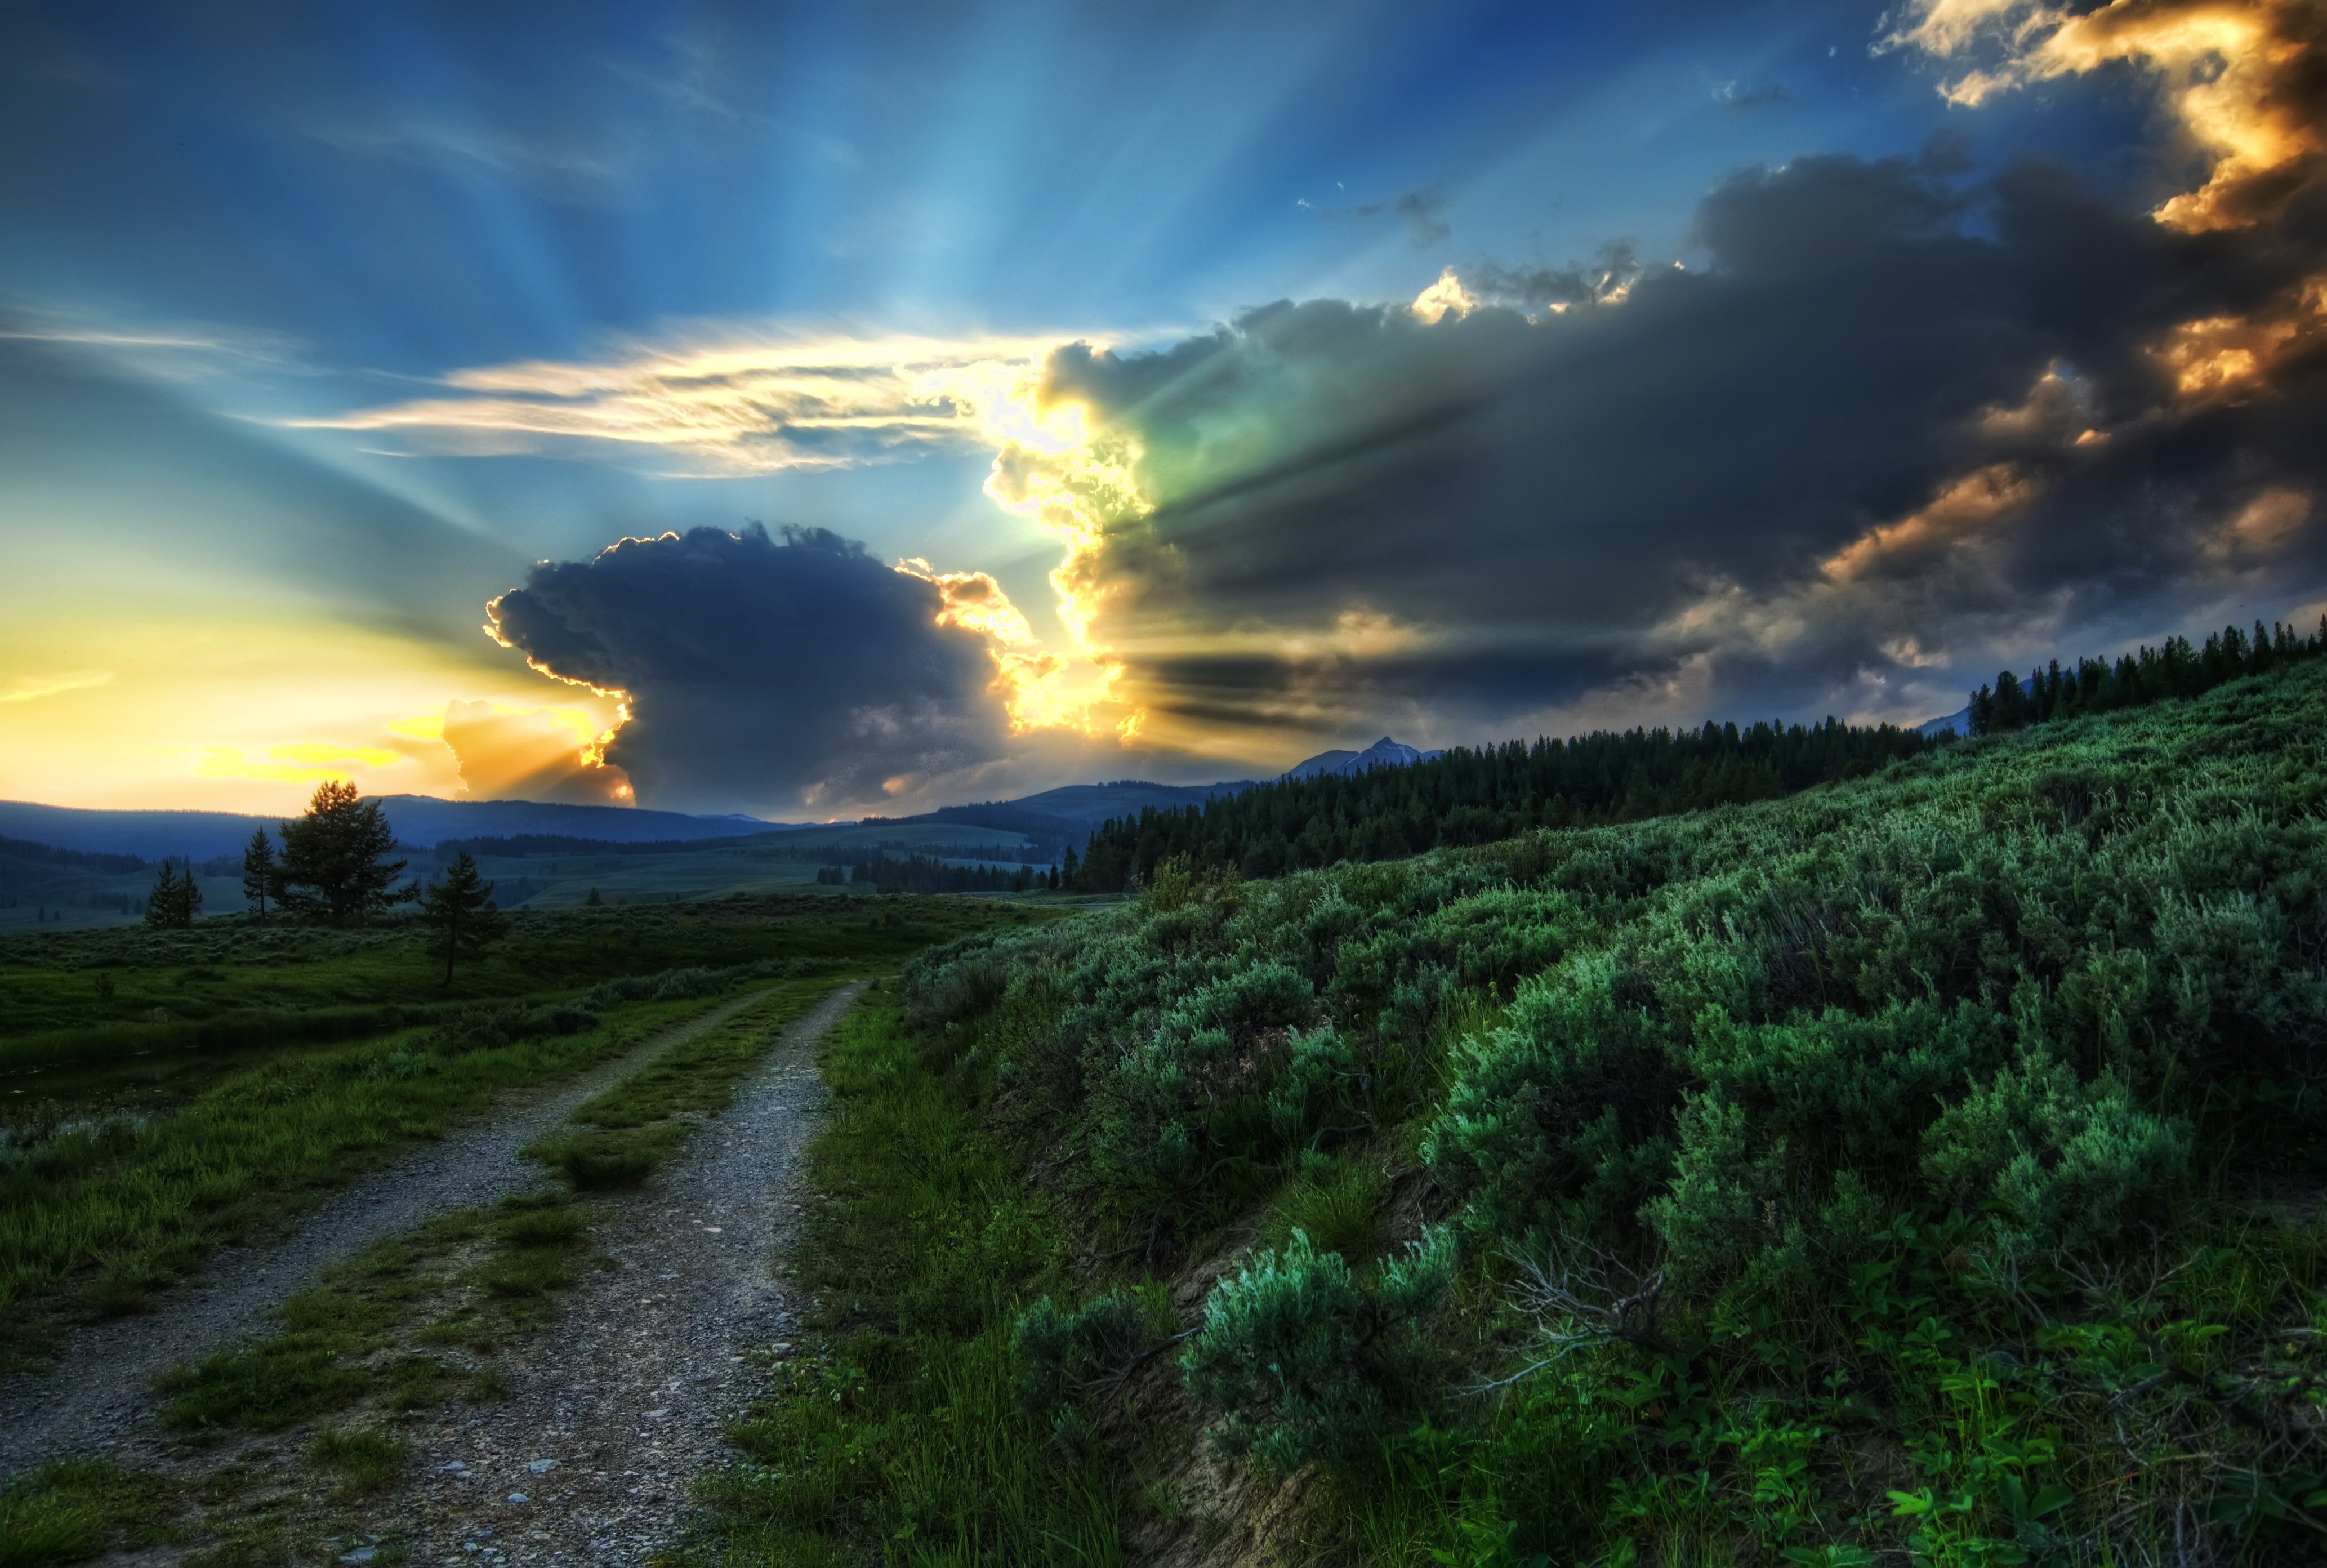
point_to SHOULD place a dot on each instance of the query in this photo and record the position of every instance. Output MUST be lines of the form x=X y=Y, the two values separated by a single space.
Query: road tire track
x=99 y=1396
x=626 y=1397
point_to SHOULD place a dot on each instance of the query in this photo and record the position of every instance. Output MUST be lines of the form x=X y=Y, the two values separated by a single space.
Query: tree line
x=920 y=873
x=2151 y=675
x=1483 y=794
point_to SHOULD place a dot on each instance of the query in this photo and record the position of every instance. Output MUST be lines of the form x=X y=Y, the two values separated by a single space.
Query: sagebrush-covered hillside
x=1926 y=1165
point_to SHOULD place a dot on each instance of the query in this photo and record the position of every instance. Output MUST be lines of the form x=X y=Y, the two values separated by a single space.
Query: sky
x=813 y=411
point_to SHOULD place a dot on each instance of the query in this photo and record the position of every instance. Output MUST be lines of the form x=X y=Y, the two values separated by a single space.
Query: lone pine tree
x=460 y=909
x=334 y=863
x=258 y=873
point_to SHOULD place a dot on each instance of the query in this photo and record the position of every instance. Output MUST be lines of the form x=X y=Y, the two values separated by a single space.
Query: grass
x=71 y=1510
x=365 y=1459
x=479 y=1278
x=55 y=1003
x=124 y=1168
x=1338 y=1206
x=620 y=1138
x=107 y=1211
x=415 y=1322
x=129 y=1150
x=896 y=1438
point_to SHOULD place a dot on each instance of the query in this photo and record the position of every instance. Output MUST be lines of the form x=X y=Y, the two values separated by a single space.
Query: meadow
x=1922 y=1168
x=164 y=1093
x=168 y=1093
x=43 y=890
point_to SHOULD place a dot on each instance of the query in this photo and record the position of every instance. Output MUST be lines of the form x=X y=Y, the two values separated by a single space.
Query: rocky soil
x=623 y=1399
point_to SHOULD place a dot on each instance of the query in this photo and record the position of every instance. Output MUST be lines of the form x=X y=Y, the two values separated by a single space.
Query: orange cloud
x=1041 y=689
x=2265 y=523
x=2229 y=357
x=2237 y=76
x=511 y=753
x=1967 y=507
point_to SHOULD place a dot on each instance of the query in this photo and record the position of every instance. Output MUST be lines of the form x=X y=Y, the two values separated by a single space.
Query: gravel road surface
x=97 y=1396
x=615 y=1406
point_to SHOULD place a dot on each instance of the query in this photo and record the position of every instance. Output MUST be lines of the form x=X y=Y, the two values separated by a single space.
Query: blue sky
x=231 y=231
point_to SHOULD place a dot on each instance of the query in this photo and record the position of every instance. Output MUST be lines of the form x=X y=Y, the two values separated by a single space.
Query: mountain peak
x=1385 y=752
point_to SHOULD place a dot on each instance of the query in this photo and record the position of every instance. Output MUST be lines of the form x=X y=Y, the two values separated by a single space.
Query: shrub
x=1302 y=1360
x=2075 y=1162
x=1057 y=1351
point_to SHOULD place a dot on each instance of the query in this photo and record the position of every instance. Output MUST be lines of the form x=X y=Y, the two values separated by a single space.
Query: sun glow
x=736 y=404
x=1079 y=483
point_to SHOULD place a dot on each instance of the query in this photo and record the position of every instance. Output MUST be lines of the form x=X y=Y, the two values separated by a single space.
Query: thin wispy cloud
x=176 y=351
x=32 y=688
x=740 y=401
x=555 y=166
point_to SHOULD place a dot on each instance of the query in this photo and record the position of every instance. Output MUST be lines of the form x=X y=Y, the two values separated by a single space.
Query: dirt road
x=98 y=1398
x=614 y=1408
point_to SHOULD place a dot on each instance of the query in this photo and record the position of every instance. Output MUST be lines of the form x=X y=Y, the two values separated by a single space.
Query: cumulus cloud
x=1899 y=428
x=2241 y=79
x=1891 y=427
x=759 y=674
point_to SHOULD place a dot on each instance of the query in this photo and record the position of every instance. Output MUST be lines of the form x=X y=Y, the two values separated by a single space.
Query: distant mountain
x=1067 y=814
x=1959 y=722
x=423 y=819
x=1383 y=753
x=419 y=820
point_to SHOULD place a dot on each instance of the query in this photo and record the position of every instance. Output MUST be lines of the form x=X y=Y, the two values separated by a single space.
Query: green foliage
x=1915 y=1122
x=459 y=907
x=335 y=864
x=259 y=874
x=1303 y=1359
x=2152 y=675
x=2072 y=1162
x=1059 y=1351
x=1469 y=796
x=175 y=900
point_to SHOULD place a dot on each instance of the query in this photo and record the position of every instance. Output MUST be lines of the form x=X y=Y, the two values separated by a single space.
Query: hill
x=1925 y=1166
x=420 y=820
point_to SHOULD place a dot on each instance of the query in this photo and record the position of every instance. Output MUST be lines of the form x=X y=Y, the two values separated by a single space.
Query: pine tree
x=163 y=904
x=258 y=873
x=175 y=900
x=462 y=911
x=335 y=863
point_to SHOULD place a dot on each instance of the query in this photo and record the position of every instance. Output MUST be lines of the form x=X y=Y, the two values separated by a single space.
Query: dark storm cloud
x=1896 y=426
x=761 y=674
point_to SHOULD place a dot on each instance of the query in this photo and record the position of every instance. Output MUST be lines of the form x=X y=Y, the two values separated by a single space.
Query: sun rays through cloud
x=835 y=425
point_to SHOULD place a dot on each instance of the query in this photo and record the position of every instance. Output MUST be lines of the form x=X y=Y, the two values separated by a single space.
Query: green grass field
x=68 y=899
x=293 y=1059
